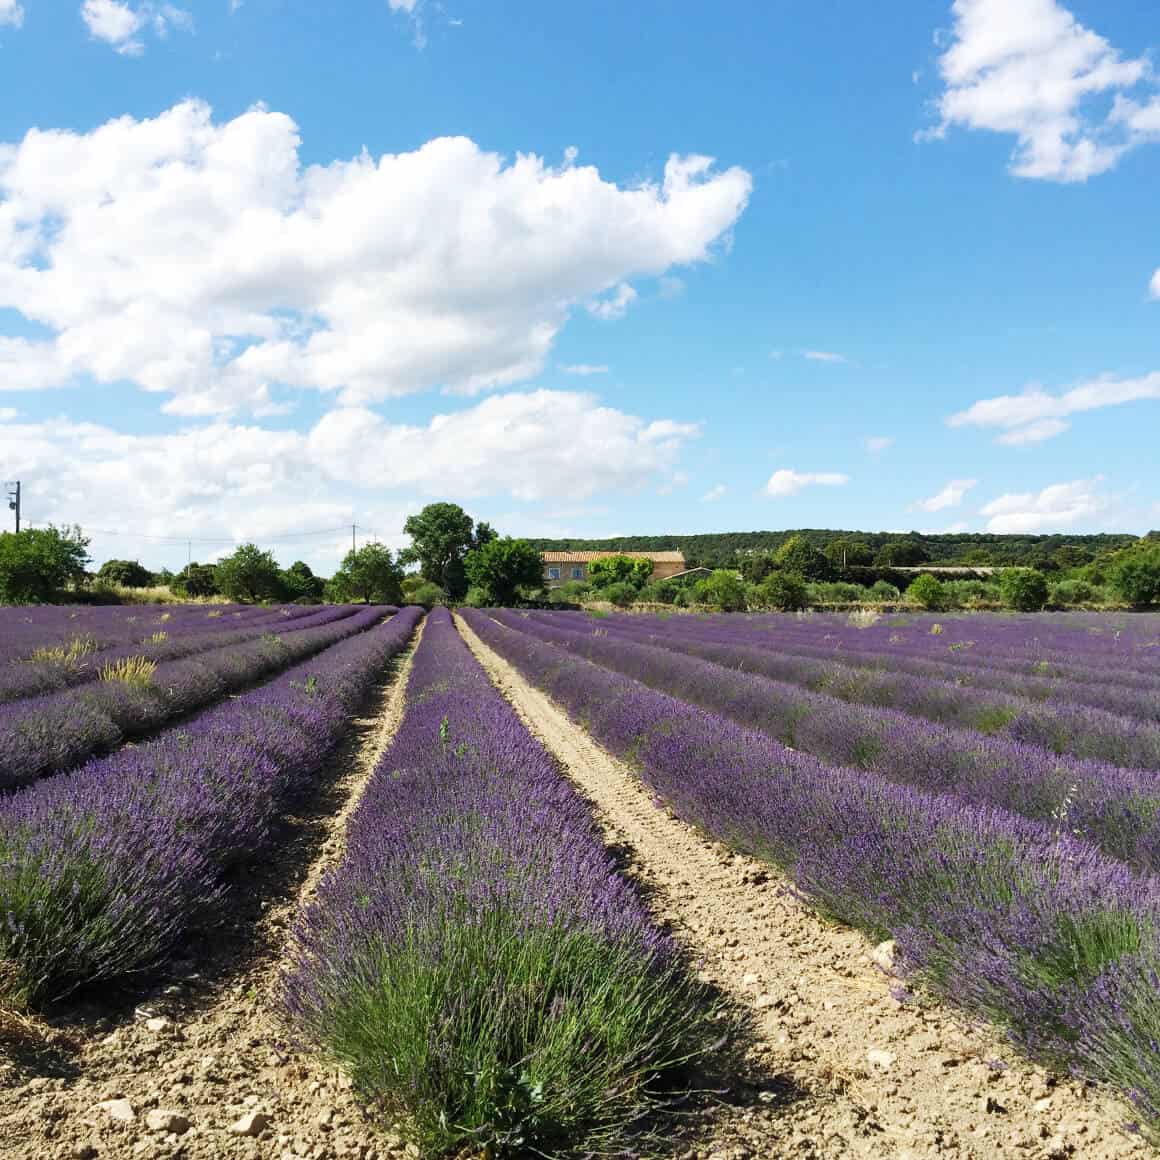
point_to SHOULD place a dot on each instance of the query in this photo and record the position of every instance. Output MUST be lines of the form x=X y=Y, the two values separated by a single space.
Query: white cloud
x=11 y=13
x=714 y=493
x=876 y=444
x=1037 y=414
x=584 y=369
x=250 y=481
x=1056 y=507
x=202 y=261
x=950 y=496
x=7 y=414
x=787 y=482
x=824 y=356
x=1155 y=284
x=1028 y=68
x=614 y=307
x=118 y=23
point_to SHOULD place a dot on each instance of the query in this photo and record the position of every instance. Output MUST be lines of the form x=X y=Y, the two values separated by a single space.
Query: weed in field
x=136 y=671
x=67 y=656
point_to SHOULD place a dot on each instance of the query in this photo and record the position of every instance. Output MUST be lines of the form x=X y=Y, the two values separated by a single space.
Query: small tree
x=724 y=590
x=784 y=591
x=37 y=563
x=1023 y=589
x=500 y=567
x=928 y=591
x=798 y=556
x=620 y=570
x=300 y=583
x=248 y=575
x=127 y=573
x=196 y=580
x=1135 y=575
x=369 y=574
x=756 y=567
x=621 y=593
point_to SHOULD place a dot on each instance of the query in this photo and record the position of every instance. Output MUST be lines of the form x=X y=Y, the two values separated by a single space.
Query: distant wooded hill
x=727 y=549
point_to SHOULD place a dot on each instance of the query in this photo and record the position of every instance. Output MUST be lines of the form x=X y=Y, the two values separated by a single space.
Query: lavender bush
x=101 y=868
x=475 y=961
x=1116 y=809
x=1006 y=917
x=47 y=734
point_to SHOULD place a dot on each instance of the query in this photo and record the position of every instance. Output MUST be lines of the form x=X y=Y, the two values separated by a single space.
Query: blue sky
x=266 y=270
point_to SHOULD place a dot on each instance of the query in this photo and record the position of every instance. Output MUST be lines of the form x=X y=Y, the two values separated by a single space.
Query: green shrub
x=928 y=591
x=1065 y=592
x=883 y=593
x=126 y=573
x=622 y=593
x=835 y=592
x=659 y=593
x=970 y=593
x=1135 y=575
x=1023 y=589
x=427 y=593
x=784 y=591
x=36 y=563
x=724 y=590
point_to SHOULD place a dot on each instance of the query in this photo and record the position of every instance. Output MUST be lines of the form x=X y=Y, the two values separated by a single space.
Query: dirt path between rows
x=206 y=1045
x=878 y=1075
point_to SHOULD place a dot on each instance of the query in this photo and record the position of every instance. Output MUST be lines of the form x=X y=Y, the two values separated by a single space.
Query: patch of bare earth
x=202 y=1067
x=839 y=1067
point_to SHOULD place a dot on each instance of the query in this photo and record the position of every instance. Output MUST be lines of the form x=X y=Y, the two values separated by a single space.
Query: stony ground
x=201 y=1067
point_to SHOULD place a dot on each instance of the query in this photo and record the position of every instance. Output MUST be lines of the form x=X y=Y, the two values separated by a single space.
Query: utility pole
x=353 y=546
x=14 y=500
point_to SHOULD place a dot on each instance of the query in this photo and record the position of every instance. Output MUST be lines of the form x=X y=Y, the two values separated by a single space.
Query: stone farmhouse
x=560 y=567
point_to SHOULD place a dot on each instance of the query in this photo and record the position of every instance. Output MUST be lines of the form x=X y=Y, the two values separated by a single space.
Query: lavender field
x=980 y=795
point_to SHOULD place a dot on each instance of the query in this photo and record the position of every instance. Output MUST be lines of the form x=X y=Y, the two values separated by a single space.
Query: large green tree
x=37 y=563
x=248 y=575
x=849 y=553
x=499 y=568
x=798 y=556
x=127 y=573
x=901 y=554
x=441 y=536
x=300 y=583
x=1023 y=589
x=1135 y=574
x=196 y=580
x=369 y=574
x=619 y=570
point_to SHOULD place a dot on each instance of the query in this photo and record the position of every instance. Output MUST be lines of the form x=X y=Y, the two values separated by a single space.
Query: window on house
x=553 y=573
x=577 y=573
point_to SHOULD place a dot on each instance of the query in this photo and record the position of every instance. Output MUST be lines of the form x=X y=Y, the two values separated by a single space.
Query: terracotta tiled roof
x=586 y=557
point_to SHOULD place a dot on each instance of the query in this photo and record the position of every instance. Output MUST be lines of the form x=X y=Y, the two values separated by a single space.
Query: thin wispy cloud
x=11 y=13
x=876 y=444
x=1037 y=414
x=584 y=369
x=824 y=356
x=789 y=482
x=714 y=493
x=950 y=496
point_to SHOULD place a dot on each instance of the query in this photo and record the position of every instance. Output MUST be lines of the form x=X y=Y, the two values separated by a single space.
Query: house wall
x=659 y=572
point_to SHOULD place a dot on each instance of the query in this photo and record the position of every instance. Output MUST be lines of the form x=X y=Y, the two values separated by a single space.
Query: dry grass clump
x=129 y=671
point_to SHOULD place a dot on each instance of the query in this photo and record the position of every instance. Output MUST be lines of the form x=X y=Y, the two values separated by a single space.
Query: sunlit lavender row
x=1011 y=918
x=101 y=869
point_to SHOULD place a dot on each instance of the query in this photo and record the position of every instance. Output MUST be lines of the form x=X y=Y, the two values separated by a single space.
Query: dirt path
x=207 y=1045
x=879 y=1076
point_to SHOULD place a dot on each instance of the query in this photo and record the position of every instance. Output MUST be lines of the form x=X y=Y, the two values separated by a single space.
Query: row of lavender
x=1117 y=809
x=1126 y=656
x=26 y=628
x=860 y=660
x=1061 y=725
x=41 y=735
x=103 y=868
x=475 y=961
x=1011 y=919
x=78 y=657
